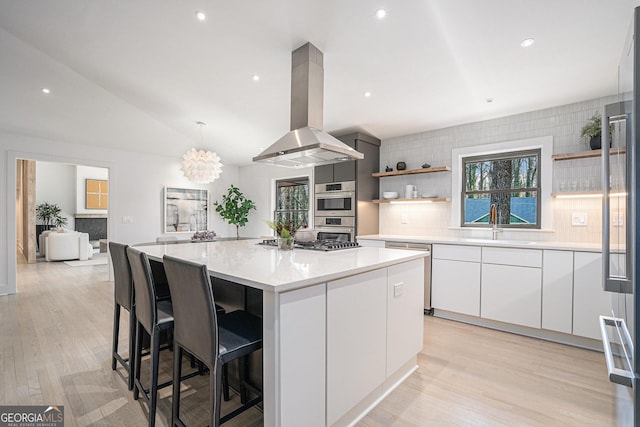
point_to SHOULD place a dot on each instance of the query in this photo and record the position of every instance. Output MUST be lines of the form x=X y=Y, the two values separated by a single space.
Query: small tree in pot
x=50 y=215
x=235 y=208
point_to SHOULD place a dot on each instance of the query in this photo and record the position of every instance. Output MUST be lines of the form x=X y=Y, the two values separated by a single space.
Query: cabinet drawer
x=511 y=256
x=457 y=253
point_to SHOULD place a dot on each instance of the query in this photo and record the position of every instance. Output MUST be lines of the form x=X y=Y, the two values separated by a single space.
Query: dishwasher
x=426 y=247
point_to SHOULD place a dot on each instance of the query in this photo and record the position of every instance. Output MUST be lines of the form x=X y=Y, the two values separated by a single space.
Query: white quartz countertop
x=271 y=269
x=585 y=247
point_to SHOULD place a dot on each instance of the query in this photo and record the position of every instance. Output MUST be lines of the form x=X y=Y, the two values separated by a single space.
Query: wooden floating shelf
x=586 y=154
x=584 y=194
x=418 y=200
x=412 y=171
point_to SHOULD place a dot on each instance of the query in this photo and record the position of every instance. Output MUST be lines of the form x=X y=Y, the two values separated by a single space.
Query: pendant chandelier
x=200 y=166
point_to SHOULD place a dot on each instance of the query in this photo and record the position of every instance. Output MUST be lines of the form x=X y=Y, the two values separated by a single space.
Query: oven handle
x=616 y=375
x=335 y=195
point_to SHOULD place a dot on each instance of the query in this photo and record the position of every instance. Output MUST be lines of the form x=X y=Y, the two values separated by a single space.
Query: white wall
x=82 y=173
x=56 y=183
x=136 y=190
x=257 y=182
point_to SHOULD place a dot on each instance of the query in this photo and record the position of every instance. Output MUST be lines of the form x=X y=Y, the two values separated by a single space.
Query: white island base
x=340 y=347
x=340 y=329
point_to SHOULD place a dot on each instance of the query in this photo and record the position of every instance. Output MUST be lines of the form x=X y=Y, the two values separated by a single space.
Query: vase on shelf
x=595 y=142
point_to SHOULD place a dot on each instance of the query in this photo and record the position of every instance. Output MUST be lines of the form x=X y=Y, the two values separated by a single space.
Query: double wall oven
x=334 y=210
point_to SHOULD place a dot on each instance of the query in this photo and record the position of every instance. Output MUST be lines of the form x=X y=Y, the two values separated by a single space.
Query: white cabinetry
x=455 y=278
x=374 y=327
x=589 y=299
x=512 y=286
x=405 y=318
x=557 y=291
x=356 y=340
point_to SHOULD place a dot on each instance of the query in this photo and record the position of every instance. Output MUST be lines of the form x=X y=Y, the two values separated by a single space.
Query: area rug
x=94 y=261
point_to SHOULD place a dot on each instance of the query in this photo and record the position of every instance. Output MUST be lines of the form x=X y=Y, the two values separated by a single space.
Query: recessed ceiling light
x=488 y=100
x=367 y=94
x=46 y=91
x=527 y=42
x=201 y=16
x=256 y=77
x=381 y=13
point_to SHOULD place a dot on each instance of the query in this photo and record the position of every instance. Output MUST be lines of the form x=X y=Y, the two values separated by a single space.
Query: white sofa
x=66 y=246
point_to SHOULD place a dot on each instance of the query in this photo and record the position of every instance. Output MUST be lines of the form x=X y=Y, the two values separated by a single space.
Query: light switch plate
x=578 y=219
x=127 y=220
x=404 y=218
x=617 y=219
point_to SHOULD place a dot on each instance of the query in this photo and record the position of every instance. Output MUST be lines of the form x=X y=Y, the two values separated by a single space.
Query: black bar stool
x=152 y=316
x=214 y=340
x=123 y=298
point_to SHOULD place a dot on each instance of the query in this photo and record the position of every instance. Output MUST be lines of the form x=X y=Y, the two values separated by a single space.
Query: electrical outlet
x=404 y=218
x=127 y=220
x=578 y=219
x=618 y=219
x=398 y=289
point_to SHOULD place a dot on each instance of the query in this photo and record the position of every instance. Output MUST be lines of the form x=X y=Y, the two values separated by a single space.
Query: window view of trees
x=292 y=202
x=508 y=180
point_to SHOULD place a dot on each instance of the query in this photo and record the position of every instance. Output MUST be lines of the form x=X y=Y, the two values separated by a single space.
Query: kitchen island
x=341 y=329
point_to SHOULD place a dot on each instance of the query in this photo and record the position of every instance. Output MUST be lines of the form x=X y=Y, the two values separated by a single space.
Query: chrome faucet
x=493 y=219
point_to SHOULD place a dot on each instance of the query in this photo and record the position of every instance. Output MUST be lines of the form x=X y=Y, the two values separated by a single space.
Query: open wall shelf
x=586 y=154
x=418 y=200
x=412 y=171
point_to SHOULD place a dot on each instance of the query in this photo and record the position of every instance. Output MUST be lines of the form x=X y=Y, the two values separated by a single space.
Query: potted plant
x=285 y=231
x=50 y=214
x=593 y=130
x=235 y=208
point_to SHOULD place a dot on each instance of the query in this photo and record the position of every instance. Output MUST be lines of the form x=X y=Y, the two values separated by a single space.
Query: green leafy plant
x=284 y=230
x=593 y=127
x=50 y=214
x=235 y=208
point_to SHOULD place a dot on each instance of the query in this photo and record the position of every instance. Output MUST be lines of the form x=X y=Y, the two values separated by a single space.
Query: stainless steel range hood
x=307 y=144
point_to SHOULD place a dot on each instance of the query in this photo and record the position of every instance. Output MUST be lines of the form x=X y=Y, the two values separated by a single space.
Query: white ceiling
x=137 y=75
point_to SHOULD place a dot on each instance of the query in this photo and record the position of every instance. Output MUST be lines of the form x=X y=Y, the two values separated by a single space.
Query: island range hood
x=306 y=144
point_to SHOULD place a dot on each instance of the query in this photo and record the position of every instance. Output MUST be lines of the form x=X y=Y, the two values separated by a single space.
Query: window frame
x=276 y=187
x=504 y=155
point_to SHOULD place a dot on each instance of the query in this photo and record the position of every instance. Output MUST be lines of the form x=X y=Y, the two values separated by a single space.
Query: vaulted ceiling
x=137 y=75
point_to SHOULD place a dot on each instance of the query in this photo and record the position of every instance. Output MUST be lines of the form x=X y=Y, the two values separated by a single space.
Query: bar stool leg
x=153 y=390
x=138 y=361
x=132 y=340
x=116 y=331
x=177 y=373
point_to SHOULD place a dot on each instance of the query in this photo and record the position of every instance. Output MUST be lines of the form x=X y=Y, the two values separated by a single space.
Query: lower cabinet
x=356 y=340
x=557 y=291
x=455 y=286
x=455 y=279
x=589 y=299
x=511 y=294
x=374 y=327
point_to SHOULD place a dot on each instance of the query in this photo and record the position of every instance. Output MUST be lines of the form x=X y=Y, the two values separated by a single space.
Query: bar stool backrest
x=195 y=321
x=146 y=309
x=122 y=280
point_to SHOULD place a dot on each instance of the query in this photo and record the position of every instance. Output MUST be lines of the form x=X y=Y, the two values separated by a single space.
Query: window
x=292 y=201
x=509 y=180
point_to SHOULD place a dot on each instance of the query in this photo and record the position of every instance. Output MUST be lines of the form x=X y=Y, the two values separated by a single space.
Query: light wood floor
x=55 y=341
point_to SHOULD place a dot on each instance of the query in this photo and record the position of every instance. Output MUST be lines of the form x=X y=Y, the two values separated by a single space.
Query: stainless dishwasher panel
x=426 y=247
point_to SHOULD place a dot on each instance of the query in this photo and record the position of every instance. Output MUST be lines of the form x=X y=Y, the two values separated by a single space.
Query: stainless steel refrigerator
x=620 y=145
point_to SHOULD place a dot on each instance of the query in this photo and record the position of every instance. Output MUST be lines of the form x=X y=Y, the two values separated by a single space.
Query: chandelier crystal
x=200 y=166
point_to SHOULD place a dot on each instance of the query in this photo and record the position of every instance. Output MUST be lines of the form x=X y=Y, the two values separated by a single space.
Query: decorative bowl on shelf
x=429 y=195
x=390 y=194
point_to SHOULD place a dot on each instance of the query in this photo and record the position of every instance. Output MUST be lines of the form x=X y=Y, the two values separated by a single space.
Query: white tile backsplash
x=434 y=147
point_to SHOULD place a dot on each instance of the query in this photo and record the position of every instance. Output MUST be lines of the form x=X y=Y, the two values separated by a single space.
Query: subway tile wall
x=434 y=147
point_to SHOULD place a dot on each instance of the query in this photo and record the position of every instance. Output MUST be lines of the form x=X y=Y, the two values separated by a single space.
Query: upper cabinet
x=352 y=170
